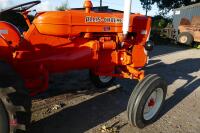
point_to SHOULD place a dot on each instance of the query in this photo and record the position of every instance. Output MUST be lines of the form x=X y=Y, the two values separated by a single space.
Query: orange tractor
x=108 y=44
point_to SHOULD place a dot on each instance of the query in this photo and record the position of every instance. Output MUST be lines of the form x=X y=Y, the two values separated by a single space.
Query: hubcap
x=105 y=79
x=153 y=104
x=183 y=39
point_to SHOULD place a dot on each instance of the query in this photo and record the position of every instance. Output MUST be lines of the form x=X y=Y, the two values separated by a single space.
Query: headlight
x=149 y=46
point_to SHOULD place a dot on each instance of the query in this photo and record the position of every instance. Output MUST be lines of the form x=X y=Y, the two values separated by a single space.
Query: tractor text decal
x=89 y=19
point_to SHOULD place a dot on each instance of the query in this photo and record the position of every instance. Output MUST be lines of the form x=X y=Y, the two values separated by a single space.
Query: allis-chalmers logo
x=90 y=19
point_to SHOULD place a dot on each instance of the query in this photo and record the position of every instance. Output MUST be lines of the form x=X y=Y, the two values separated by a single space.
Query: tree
x=146 y=4
x=167 y=5
x=160 y=21
x=63 y=7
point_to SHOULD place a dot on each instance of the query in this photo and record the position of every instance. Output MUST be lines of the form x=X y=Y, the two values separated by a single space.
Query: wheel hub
x=105 y=79
x=153 y=104
x=183 y=39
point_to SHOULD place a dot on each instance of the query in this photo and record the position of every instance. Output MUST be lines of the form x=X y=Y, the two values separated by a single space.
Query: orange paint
x=59 y=41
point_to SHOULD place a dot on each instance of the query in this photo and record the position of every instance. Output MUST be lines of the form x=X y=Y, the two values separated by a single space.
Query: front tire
x=101 y=81
x=146 y=101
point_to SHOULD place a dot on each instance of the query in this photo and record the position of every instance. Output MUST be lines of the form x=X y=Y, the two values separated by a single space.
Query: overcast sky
x=47 y=5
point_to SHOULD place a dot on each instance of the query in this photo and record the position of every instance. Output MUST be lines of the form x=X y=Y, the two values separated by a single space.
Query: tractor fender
x=9 y=34
x=9 y=38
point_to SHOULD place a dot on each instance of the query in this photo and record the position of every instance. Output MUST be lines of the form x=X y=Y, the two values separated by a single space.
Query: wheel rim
x=153 y=104
x=105 y=79
x=183 y=39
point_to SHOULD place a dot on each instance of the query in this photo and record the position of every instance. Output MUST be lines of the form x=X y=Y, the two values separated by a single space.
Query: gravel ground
x=73 y=105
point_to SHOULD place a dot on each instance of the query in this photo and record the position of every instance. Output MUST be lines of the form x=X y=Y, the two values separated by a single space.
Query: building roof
x=187 y=7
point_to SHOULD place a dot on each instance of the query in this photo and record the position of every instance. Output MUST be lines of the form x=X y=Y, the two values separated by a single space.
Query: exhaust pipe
x=88 y=5
x=126 y=18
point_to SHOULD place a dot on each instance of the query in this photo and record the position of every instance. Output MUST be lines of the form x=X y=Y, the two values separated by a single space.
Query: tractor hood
x=74 y=22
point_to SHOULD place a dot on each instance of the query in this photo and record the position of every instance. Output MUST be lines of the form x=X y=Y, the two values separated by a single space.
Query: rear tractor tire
x=15 y=103
x=101 y=81
x=146 y=101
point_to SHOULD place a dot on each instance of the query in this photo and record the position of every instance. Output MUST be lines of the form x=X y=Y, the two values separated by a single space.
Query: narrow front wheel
x=101 y=81
x=146 y=101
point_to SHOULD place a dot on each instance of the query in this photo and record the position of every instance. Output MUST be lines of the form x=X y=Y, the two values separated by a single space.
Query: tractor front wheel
x=146 y=101
x=101 y=81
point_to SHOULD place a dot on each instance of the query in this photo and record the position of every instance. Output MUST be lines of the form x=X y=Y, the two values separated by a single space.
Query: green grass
x=197 y=46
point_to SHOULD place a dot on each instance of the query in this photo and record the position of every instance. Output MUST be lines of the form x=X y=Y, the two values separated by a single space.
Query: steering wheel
x=22 y=7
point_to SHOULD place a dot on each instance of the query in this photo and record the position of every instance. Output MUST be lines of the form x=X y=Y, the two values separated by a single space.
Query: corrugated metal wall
x=185 y=12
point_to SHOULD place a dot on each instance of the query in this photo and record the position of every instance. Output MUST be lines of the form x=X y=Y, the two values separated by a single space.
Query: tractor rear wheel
x=3 y=119
x=101 y=81
x=146 y=101
x=15 y=103
x=185 y=38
